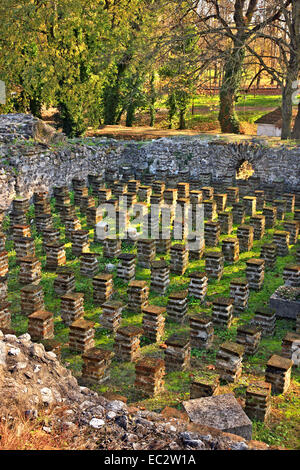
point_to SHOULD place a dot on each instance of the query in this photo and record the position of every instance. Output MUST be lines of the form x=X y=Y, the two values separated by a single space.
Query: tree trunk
x=296 y=130
x=152 y=100
x=231 y=83
x=287 y=110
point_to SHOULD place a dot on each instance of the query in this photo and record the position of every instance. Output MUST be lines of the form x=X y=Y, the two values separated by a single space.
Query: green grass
x=277 y=432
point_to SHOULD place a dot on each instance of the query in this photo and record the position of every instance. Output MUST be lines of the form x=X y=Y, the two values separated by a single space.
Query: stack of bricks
x=280 y=205
x=282 y=240
x=2 y=242
x=154 y=322
x=204 y=386
x=258 y=223
x=41 y=203
x=229 y=361
x=265 y=319
x=24 y=246
x=50 y=235
x=163 y=245
x=177 y=306
x=290 y=201
x=238 y=213
x=156 y=199
x=260 y=199
x=160 y=276
x=183 y=190
x=111 y=315
x=210 y=209
x=104 y=194
x=55 y=255
x=72 y=307
x=126 y=266
x=127 y=343
x=245 y=237
x=3 y=265
x=255 y=273
x=231 y=250
x=81 y=335
x=138 y=293
x=222 y=312
x=145 y=252
x=226 y=221
x=32 y=299
x=198 y=285
x=170 y=196
x=239 y=292
x=111 y=247
x=179 y=259
x=3 y=288
x=290 y=347
x=30 y=270
x=297 y=215
x=212 y=231
x=19 y=231
x=5 y=315
x=293 y=228
x=80 y=242
x=43 y=221
x=64 y=283
x=250 y=205
x=249 y=336
x=102 y=288
x=177 y=353
x=196 y=248
x=291 y=275
x=208 y=193
x=80 y=193
x=67 y=212
x=41 y=325
x=278 y=373
x=89 y=264
x=214 y=265
x=149 y=376
x=93 y=216
x=86 y=203
x=270 y=214
x=201 y=331
x=258 y=401
x=221 y=200
x=19 y=211
x=269 y=254
x=133 y=185
x=62 y=197
x=144 y=193
x=232 y=195
x=96 y=363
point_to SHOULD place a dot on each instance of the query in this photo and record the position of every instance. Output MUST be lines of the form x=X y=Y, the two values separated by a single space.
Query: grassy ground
x=284 y=424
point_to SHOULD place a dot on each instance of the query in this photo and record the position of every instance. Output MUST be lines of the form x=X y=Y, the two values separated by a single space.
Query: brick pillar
x=96 y=363
x=221 y=201
x=290 y=347
x=163 y=246
x=249 y=336
x=198 y=285
x=19 y=231
x=258 y=223
x=55 y=256
x=266 y=320
x=258 y=401
x=177 y=353
x=138 y=293
x=214 y=265
x=255 y=273
x=3 y=264
x=278 y=373
x=154 y=322
x=81 y=335
x=50 y=235
x=208 y=192
x=126 y=266
x=282 y=240
x=24 y=246
x=72 y=307
x=5 y=315
x=290 y=201
x=212 y=231
x=231 y=250
x=89 y=265
x=210 y=209
x=183 y=190
x=30 y=270
x=102 y=288
x=250 y=205
x=269 y=254
x=145 y=252
x=111 y=248
x=43 y=221
x=93 y=216
x=238 y=213
x=149 y=376
x=222 y=312
x=280 y=205
x=239 y=292
x=111 y=315
x=204 y=386
x=260 y=199
x=160 y=276
x=229 y=361
x=293 y=228
x=179 y=259
x=245 y=235
x=232 y=195
x=41 y=325
x=291 y=275
x=127 y=343
x=144 y=193
x=32 y=299
x=270 y=214
x=177 y=306
x=226 y=221
x=64 y=283
x=71 y=223
x=80 y=242
x=201 y=331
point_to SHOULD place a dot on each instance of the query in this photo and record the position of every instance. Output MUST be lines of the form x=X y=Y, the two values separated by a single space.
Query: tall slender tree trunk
x=296 y=130
x=231 y=83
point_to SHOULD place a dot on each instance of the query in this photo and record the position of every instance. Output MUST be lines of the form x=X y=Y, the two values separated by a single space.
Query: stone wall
x=28 y=166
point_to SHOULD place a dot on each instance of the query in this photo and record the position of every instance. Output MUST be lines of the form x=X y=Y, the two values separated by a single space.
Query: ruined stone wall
x=26 y=167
